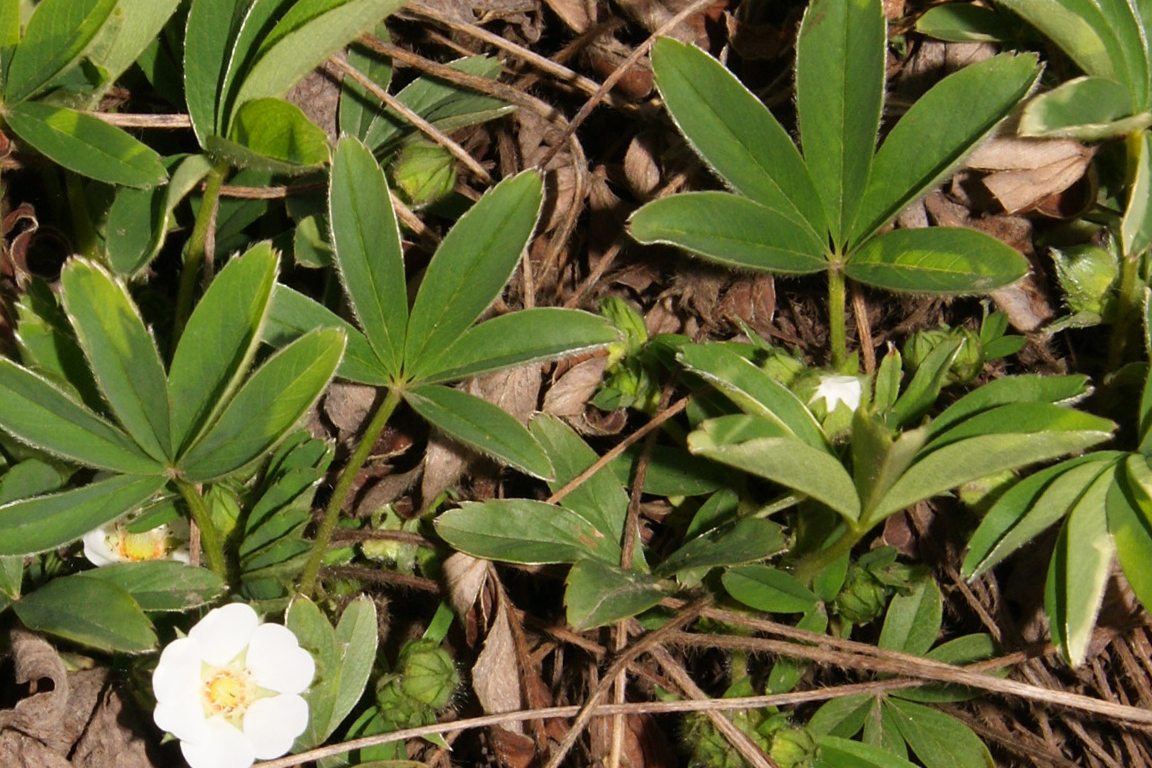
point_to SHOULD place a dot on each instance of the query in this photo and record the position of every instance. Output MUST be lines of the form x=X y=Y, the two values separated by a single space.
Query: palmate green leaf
x=671 y=471
x=358 y=108
x=41 y=414
x=966 y=460
x=730 y=230
x=913 y=619
x=1019 y=417
x=840 y=59
x=525 y=531
x=599 y=593
x=445 y=105
x=963 y=23
x=1084 y=108
x=310 y=32
x=138 y=221
x=366 y=240
x=219 y=341
x=471 y=267
x=266 y=407
x=121 y=353
x=357 y=632
x=1129 y=507
x=527 y=336
x=316 y=636
x=789 y=462
x=748 y=540
x=943 y=126
x=119 y=44
x=1136 y=226
x=258 y=19
x=1078 y=28
x=922 y=391
x=938 y=739
x=208 y=48
x=9 y=35
x=842 y=717
x=735 y=134
x=880 y=730
x=601 y=498
x=836 y=752
x=1079 y=571
x=41 y=523
x=944 y=260
x=1030 y=507
x=55 y=37
x=481 y=425
x=277 y=129
x=768 y=589
x=163 y=585
x=48 y=345
x=966 y=649
x=1025 y=388
x=878 y=460
x=294 y=314
x=90 y=611
x=1124 y=20
x=753 y=390
x=85 y=144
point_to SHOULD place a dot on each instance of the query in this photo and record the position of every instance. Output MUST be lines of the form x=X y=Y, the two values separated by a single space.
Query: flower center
x=134 y=547
x=228 y=692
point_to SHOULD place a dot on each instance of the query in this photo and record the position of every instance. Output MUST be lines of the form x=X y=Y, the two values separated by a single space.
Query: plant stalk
x=209 y=537
x=197 y=247
x=837 y=339
x=811 y=565
x=343 y=488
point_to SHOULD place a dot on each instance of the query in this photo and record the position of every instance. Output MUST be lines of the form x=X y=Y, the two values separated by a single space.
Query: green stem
x=342 y=489
x=837 y=339
x=209 y=536
x=811 y=565
x=1127 y=298
x=197 y=246
x=82 y=229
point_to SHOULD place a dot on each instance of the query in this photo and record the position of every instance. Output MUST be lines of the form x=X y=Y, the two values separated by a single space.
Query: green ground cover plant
x=193 y=497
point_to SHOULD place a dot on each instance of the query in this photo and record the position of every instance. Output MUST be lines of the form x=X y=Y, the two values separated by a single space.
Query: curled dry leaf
x=641 y=168
x=69 y=720
x=574 y=13
x=1025 y=174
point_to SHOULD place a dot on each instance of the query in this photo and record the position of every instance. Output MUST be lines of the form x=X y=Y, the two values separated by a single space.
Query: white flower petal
x=835 y=389
x=96 y=548
x=224 y=746
x=277 y=662
x=176 y=684
x=224 y=632
x=272 y=724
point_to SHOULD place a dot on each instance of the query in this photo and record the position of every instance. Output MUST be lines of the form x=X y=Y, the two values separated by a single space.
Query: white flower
x=834 y=389
x=111 y=543
x=230 y=689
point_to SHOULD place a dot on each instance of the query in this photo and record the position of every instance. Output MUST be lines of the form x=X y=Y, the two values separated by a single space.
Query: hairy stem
x=837 y=339
x=342 y=489
x=197 y=246
x=209 y=537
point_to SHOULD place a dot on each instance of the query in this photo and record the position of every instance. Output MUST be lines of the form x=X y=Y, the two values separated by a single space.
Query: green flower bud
x=398 y=709
x=427 y=673
x=627 y=320
x=863 y=597
x=1087 y=274
x=423 y=173
x=920 y=344
x=792 y=748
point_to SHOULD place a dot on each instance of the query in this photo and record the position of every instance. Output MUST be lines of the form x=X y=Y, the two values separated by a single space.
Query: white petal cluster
x=111 y=543
x=834 y=389
x=230 y=690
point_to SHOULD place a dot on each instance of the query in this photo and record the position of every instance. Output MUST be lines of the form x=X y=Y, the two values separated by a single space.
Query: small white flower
x=111 y=543
x=835 y=389
x=230 y=689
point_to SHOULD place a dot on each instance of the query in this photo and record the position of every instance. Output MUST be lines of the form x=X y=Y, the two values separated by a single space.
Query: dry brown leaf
x=465 y=576
x=1023 y=172
x=573 y=13
x=347 y=406
x=640 y=166
x=496 y=673
x=568 y=397
x=70 y=720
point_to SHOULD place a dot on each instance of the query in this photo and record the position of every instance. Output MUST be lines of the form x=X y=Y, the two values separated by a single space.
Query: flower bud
x=792 y=748
x=428 y=673
x=862 y=598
